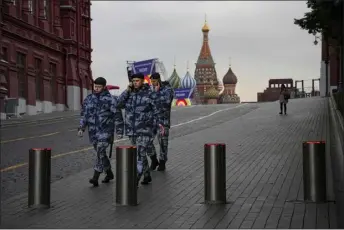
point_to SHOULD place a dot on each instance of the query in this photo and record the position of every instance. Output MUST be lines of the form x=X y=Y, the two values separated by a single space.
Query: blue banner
x=182 y=93
x=145 y=67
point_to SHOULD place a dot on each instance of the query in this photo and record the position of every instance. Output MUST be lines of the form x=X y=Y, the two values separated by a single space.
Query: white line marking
x=194 y=120
x=206 y=116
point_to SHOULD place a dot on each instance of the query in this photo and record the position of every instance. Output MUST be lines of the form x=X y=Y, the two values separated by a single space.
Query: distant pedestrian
x=141 y=118
x=283 y=99
x=163 y=97
x=100 y=115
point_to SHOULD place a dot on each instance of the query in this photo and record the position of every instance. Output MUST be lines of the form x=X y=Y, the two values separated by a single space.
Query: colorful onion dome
x=230 y=78
x=174 y=80
x=188 y=81
x=211 y=93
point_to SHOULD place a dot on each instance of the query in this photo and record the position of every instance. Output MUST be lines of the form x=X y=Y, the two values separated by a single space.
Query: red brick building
x=273 y=91
x=330 y=54
x=46 y=45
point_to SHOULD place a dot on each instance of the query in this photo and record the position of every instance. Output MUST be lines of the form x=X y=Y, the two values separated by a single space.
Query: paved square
x=264 y=181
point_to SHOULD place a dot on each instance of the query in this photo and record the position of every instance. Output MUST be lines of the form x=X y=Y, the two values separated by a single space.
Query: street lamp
x=327 y=57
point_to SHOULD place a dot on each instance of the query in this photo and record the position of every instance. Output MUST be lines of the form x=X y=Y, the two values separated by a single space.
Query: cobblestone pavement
x=72 y=154
x=264 y=181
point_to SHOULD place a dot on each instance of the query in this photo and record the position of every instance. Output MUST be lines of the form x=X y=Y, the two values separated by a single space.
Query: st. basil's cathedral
x=207 y=88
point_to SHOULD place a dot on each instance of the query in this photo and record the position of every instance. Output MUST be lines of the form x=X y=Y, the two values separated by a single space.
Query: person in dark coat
x=100 y=115
x=163 y=97
x=142 y=116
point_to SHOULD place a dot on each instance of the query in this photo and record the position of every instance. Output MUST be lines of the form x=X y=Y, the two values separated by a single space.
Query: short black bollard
x=215 y=173
x=126 y=175
x=314 y=171
x=39 y=177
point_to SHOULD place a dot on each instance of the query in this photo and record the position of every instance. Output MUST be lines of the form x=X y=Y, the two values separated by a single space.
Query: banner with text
x=182 y=97
x=146 y=67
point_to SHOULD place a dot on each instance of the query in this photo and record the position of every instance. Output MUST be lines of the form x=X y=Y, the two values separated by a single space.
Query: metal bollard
x=215 y=173
x=314 y=171
x=39 y=177
x=126 y=175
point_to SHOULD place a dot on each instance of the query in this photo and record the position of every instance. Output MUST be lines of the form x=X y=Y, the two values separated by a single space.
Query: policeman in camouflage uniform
x=163 y=99
x=141 y=117
x=100 y=115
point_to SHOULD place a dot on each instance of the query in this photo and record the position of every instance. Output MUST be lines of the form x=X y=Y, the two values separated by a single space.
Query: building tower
x=229 y=81
x=188 y=82
x=205 y=71
x=174 y=80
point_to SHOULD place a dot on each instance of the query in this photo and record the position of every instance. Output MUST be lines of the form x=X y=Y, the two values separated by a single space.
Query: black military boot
x=162 y=165
x=146 y=180
x=154 y=163
x=95 y=178
x=109 y=176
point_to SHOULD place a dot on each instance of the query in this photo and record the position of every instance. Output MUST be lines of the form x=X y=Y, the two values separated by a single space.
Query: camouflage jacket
x=100 y=114
x=163 y=99
x=141 y=113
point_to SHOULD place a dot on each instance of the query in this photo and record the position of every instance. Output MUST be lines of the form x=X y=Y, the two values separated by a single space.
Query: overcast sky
x=259 y=38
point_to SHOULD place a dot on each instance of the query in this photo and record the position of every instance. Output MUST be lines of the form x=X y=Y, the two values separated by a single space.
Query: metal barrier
x=39 y=177
x=215 y=173
x=314 y=171
x=126 y=175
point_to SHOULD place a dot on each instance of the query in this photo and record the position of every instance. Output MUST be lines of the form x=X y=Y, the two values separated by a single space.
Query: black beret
x=138 y=75
x=100 y=81
x=155 y=76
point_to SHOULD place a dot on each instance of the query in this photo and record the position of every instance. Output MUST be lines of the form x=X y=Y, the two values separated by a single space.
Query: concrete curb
x=17 y=122
x=337 y=158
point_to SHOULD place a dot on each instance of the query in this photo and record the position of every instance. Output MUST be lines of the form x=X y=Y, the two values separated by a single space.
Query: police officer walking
x=163 y=97
x=100 y=115
x=141 y=117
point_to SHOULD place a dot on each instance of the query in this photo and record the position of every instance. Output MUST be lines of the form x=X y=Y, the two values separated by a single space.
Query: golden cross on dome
x=205 y=18
x=174 y=62
x=230 y=63
x=187 y=66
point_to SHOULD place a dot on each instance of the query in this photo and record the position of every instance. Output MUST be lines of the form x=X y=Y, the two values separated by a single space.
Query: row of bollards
x=314 y=174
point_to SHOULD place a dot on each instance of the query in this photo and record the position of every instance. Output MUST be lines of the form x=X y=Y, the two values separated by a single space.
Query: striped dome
x=188 y=81
x=174 y=80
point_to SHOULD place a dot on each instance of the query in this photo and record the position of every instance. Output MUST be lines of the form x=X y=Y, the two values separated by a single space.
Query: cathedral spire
x=205 y=28
x=205 y=72
x=174 y=62
x=205 y=56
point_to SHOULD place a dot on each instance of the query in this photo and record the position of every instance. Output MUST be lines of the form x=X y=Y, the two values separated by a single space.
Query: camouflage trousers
x=163 y=144
x=102 y=160
x=142 y=143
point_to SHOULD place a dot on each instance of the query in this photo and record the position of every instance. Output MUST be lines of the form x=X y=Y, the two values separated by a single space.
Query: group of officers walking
x=147 y=115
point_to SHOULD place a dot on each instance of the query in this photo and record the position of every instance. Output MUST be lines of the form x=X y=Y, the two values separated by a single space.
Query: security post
x=39 y=176
x=126 y=175
x=314 y=171
x=215 y=173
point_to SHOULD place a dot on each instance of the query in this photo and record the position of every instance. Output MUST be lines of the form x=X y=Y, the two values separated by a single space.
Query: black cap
x=138 y=75
x=155 y=76
x=100 y=81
